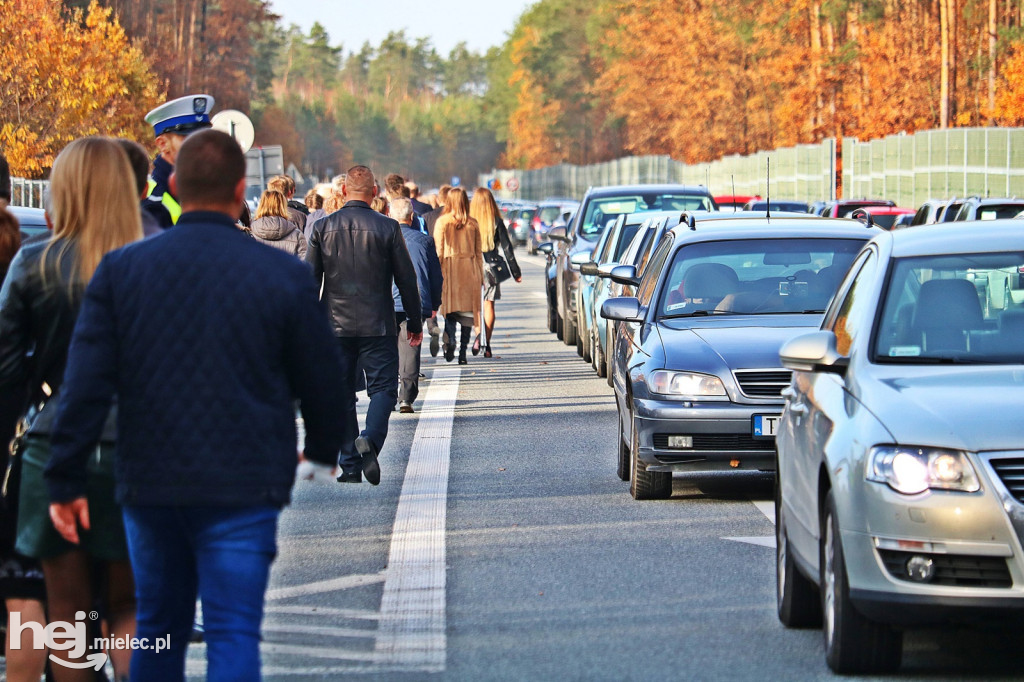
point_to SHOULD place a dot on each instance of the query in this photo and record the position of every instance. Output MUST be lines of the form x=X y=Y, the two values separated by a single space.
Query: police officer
x=172 y=122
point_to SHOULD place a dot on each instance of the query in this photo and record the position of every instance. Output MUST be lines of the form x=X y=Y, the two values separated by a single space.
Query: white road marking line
x=539 y=294
x=327 y=631
x=760 y=541
x=332 y=585
x=353 y=614
x=412 y=632
x=767 y=508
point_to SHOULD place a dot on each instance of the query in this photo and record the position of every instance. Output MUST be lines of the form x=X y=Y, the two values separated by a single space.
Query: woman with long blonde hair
x=457 y=238
x=492 y=233
x=273 y=227
x=93 y=209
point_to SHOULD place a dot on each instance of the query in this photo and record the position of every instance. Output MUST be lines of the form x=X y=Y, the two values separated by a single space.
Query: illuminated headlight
x=686 y=384
x=912 y=470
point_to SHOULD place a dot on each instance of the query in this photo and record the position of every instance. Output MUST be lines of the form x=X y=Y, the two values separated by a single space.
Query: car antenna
x=768 y=192
x=733 y=178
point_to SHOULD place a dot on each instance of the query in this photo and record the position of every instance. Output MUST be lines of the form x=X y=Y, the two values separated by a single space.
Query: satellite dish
x=237 y=125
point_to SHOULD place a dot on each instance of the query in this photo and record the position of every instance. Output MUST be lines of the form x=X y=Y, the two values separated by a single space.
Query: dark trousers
x=408 y=363
x=378 y=357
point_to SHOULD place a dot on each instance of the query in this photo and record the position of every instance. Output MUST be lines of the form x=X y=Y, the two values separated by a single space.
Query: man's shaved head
x=360 y=180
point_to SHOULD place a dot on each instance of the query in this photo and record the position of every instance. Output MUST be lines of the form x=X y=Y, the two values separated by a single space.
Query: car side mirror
x=605 y=269
x=814 y=352
x=589 y=269
x=624 y=274
x=558 y=234
x=546 y=247
x=622 y=309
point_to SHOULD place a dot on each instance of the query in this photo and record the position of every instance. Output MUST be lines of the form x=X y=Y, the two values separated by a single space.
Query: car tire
x=568 y=331
x=643 y=484
x=625 y=463
x=600 y=363
x=559 y=327
x=853 y=643
x=797 y=598
x=609 y=356
x=581 y=348
x=552 y=319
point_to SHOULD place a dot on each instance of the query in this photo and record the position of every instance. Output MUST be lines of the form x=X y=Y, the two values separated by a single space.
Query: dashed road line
x=332 y=585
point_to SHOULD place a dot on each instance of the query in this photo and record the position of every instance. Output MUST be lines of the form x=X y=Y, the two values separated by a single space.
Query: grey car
x=900 y=495
x=695 y=364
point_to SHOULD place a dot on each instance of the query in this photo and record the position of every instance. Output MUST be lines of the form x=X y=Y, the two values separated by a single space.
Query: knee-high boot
x=464 y=342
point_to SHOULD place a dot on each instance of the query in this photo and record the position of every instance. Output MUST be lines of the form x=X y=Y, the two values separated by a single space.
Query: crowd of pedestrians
x=153 y=354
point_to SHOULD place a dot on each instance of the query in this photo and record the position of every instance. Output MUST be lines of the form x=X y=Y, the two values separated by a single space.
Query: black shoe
x=487 y=352
x=368 y=451
x=462 y=356
x=435 y=344
x=354 y=477
x=449 y=352
x=406 y=408
x=476 y=346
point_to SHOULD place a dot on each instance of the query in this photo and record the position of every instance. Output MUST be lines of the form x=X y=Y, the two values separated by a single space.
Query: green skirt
x=36 y=535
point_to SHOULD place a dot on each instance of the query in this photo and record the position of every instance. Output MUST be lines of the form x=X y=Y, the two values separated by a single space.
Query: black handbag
x=499 y=268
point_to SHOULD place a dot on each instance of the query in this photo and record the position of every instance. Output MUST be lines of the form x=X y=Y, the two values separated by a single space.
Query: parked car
x=929 y=212
x=819 y=207
x=948 y=212
x=885 y=216
x=774 y=206
x=844 y=207
x=550 y=213
x=902 y=221
x=730 y=203
x=899 y=489
x=32 y=221
x=599 y=209
x=519 y=223
x=977 y=208
x=695 y=369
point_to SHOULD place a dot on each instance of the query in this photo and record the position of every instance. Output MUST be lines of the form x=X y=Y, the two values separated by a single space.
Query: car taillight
x=536 y=222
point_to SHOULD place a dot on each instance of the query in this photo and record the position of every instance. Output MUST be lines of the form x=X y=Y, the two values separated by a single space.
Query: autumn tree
x=66 y=75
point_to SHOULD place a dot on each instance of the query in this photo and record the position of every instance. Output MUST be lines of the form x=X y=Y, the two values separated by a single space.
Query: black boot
x=466 y=333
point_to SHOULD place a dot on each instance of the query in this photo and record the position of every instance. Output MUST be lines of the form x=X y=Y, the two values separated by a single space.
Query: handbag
x=499 y=267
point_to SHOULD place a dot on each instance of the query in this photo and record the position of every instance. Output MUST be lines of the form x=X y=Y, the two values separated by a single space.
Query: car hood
x=738 y=342
x=971 y=408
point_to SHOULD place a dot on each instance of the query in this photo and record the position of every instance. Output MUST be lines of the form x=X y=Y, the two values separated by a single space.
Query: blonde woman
x=493 y=232
x=457 y=238
x=272 y=226
x=94 y=210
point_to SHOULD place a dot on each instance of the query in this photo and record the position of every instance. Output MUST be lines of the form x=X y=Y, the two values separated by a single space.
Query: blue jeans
x=378 y=357
x=223 y=554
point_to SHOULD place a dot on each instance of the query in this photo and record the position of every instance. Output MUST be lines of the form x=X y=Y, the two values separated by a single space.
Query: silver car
x=901 y=448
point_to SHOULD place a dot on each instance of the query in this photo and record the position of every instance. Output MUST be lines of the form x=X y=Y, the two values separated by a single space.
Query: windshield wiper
x=695 y=313
x=932 y=360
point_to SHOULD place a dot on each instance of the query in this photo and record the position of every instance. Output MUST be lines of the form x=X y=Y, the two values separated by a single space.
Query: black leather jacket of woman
x=37 y=318
x=501 y=238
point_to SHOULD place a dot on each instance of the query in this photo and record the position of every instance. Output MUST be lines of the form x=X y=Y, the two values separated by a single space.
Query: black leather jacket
x=357 y=253
x=37 y=318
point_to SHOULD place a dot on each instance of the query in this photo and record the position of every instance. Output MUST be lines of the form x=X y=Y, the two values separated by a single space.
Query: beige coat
x=462 y=266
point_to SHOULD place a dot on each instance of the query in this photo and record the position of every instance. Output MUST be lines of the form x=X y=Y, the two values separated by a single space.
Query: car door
x=818 y=404
x=634 y=335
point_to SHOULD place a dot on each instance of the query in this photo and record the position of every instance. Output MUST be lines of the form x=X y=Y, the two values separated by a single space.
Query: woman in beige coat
x=457 y=238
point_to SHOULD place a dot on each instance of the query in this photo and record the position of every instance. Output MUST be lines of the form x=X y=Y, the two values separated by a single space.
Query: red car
x=733 y=202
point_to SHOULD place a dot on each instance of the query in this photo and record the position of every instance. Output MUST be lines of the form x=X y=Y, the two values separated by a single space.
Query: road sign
x=512 y=184
x=496 y=182
x=456 y=181
x=237 y=125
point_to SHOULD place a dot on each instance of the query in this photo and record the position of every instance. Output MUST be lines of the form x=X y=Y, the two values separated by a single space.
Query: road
x=501 y=546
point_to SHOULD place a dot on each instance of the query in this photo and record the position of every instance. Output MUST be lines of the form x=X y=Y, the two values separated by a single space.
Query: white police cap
x=182 y=116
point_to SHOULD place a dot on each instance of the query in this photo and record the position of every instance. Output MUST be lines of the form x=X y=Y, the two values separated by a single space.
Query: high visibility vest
x=168 y=201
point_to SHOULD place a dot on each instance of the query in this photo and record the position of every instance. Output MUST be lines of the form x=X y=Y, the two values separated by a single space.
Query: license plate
x=765 y=425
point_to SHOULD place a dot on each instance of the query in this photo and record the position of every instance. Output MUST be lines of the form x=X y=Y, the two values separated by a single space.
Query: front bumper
x=721 y=434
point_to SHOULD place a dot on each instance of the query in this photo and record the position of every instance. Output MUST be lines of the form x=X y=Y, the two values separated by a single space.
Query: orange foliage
x=66 y=76
x=530 y=144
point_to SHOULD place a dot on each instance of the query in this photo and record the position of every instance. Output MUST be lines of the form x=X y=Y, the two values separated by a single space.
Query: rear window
x=548 y=214
x=602 y=212
x=999 y=212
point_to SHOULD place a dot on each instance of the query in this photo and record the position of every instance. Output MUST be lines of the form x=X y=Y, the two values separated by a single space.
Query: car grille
x=718 y=442
x=953 y=569
x=1011 y=473
x=763 y=383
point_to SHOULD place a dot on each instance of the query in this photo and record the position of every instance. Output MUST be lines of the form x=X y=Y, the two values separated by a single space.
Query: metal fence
x=805 y=172
x=28 y=192
x=936 y=164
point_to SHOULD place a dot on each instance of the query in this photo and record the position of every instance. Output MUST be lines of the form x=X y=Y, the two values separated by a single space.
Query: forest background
x=576 y=81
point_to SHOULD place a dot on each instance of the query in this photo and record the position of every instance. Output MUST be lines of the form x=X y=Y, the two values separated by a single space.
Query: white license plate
x=765 y=425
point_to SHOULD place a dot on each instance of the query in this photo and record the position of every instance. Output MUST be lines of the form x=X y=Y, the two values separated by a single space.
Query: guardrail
x=29 y=193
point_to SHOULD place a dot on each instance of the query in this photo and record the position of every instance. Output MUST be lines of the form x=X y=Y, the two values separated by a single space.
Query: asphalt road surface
x=501 y=546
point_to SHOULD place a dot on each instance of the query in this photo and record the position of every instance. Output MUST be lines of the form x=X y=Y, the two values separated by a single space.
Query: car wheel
x=582 y=349
x=568 y=331
x=600 y=363
x=552 y=319
x=559 y=327
x=853 y=643
x=643 y=484
x=622 y=471
x=796 y=597
x=609 y=356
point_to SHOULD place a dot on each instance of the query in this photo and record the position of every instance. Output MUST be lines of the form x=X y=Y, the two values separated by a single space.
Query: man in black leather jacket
x=356 y=253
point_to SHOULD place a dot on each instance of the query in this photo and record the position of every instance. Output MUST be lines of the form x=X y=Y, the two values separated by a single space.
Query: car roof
x=615 y=190
x=974 y=236
x=29 y=217
x=776 y=227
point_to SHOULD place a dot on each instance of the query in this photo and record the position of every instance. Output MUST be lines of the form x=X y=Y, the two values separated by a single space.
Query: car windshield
x=602 y=211
x=999 y=211
x=756 y=276
x=953 y=309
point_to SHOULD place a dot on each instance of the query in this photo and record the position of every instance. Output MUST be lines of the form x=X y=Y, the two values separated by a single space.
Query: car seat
x=947 y=310
x=710 y=283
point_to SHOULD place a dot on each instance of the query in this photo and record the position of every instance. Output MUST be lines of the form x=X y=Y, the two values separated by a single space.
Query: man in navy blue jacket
x=206 y=338
x=429 y=281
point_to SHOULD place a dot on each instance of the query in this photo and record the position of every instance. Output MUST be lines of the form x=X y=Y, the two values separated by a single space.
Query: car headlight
x=911 y=470
x=686 y=384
